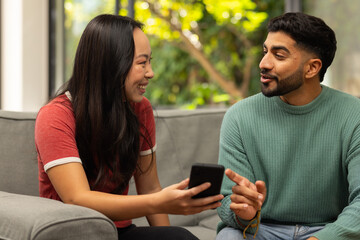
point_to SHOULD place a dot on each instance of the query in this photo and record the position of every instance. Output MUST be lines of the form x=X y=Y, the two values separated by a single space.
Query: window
x=68 y=18
x=0 y=56
x=187 y=82
x=343 y=17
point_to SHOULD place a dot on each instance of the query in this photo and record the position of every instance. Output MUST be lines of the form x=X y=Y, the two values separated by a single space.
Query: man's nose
x=266 y=62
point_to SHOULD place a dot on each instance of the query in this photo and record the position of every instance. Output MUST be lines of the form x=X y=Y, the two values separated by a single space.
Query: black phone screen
x=205 y=172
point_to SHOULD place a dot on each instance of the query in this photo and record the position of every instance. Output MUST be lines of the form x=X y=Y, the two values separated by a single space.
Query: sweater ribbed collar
x=304 y=108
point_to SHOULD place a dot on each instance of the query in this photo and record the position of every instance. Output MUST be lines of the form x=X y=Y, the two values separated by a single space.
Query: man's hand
x=247 y=197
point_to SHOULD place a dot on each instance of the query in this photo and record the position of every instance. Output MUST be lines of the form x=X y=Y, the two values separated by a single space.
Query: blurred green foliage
x=196 y=44
x=227 y=33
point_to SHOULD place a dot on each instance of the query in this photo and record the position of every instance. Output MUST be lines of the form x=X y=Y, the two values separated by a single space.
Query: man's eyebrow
x=276 y=48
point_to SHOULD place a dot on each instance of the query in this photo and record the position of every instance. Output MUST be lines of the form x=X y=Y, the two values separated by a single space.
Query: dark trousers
x=163 y=233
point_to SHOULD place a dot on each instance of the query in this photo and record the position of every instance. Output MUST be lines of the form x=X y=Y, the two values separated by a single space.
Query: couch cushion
x=183 y=138
x=35 y=218
x=210 y=222
x=202 y=233
x=18 y=171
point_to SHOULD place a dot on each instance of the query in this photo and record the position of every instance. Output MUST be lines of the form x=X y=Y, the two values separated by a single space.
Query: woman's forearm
x=119 y=207
x=158 y=220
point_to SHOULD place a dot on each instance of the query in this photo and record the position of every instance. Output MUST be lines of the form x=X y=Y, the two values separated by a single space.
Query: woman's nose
x=149 y=72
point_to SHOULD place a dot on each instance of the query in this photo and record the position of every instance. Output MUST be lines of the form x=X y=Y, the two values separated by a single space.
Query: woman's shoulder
x=58 y=108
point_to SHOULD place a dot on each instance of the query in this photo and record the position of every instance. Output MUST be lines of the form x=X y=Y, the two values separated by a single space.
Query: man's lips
x=266 y=78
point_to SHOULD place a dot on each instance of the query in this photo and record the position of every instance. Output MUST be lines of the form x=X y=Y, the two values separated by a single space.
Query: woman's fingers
x=203 y=204
x=187 y=194
x=182 y=185
x=198 y=189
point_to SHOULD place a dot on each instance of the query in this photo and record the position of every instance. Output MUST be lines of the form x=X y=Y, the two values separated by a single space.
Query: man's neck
x=302 y=96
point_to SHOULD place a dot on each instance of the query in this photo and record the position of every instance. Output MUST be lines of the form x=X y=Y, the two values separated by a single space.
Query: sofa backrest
x=183 y=138
x=18 y=163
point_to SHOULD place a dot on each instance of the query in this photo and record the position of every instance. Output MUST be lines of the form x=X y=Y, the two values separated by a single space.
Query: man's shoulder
x=343 y=99
x=248 y=107
x=249 y=102
x=343 y=105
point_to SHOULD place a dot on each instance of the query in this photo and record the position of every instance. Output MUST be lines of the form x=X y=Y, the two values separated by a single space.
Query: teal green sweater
x=308 y=156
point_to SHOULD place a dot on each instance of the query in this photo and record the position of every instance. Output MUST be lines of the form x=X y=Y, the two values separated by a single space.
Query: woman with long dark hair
x=99 y=131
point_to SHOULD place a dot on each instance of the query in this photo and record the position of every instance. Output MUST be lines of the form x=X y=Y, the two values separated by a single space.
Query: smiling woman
x=99 y=131
x=140 y=71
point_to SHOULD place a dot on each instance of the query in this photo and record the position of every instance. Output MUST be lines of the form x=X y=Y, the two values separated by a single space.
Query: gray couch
x=183 y=138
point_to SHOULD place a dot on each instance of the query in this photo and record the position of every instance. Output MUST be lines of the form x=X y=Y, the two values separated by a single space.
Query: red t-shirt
x=55 y=141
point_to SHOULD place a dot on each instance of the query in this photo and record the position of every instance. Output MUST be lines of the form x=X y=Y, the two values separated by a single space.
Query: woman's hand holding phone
x=177 y=199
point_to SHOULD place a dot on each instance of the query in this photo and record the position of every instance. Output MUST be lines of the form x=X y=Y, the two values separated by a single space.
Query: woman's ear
x=313 y=67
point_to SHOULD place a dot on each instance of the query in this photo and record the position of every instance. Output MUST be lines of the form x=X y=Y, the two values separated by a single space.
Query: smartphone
x=205 y=172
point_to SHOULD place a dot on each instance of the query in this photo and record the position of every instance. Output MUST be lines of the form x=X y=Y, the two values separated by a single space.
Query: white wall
x=24 y=55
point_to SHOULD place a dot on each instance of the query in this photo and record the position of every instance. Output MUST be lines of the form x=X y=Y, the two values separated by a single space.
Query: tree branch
x=227 y=85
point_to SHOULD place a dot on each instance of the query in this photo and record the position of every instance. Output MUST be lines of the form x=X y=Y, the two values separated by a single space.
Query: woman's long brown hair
x=107 y=129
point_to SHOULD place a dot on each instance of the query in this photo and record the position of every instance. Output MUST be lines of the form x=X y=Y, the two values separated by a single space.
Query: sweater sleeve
x=347 y=225
x=232 y=155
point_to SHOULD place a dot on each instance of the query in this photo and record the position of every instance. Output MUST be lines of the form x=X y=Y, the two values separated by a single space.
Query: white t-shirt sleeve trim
x=61 y=161
x=147 y=152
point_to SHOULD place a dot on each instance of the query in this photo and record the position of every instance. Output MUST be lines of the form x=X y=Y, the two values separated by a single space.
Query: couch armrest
x=36 y=218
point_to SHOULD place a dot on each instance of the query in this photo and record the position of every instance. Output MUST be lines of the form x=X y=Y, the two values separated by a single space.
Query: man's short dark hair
x=310 y=33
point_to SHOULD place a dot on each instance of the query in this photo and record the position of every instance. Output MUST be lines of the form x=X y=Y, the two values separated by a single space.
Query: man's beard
x=284 y=86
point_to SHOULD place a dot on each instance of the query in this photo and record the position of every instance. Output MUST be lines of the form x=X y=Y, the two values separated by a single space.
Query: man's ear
x=313 y=67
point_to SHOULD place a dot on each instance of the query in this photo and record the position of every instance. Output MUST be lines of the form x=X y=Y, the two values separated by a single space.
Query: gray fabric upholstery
x=183 y=138
x=18 y=171
x=29 y=217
